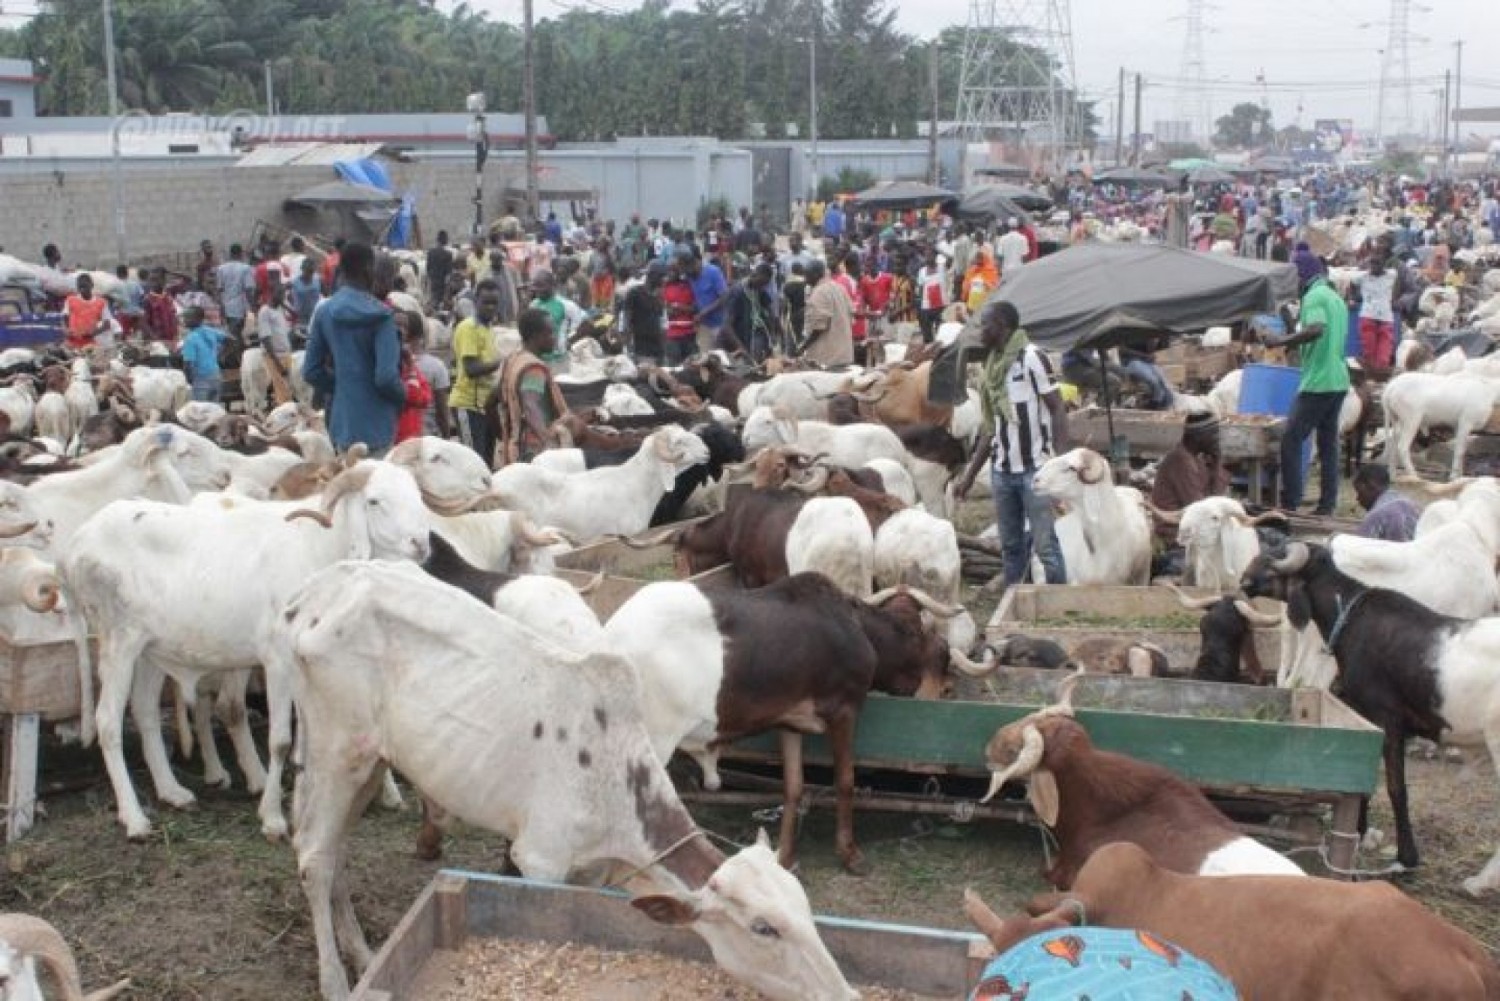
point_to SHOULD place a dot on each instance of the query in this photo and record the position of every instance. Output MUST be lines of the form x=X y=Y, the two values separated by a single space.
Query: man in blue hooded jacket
x=354 y=358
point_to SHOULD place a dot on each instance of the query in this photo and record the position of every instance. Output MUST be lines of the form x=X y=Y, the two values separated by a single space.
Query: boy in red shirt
x=682 y=311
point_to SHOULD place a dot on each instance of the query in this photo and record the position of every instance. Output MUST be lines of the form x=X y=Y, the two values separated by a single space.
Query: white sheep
x=832 y=536
x=1414 y=401
x=920 y=550
x=615 y=500
x=1106 y=534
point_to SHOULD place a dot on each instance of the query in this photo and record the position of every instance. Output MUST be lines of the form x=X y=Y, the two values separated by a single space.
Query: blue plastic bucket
x=1268 y=389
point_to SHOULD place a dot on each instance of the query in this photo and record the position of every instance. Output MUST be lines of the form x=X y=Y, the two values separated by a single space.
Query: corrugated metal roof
x=306 y=154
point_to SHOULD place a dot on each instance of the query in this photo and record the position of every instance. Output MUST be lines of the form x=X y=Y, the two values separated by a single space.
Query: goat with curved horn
x=1255 y=617
x=1188 y=601
x=1026 y=762
x=351 y=480
x=1260 y=519
x=660 y=538
x=1094 y=470
x=1450 y=489
x=593 y=584
x=813 y=483
x=528 y=533
x=32 y=937
x=921 y=597
x=1165 y=517
x=963 y=664
x=1297 y=555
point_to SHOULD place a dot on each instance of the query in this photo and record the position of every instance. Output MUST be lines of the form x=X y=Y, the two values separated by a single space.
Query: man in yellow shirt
x=475 y=362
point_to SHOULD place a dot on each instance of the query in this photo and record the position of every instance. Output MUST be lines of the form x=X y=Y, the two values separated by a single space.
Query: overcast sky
x=1313 y=52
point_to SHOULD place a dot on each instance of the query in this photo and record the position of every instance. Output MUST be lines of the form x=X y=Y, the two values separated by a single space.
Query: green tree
x=1245 y=126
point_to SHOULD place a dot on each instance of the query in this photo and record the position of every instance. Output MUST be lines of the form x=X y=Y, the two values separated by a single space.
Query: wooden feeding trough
x=38 y=683
x=1281 y=751
x=1198 y=365
x=1068 y=614
x=458 y=908
x=1252 y=439
x=626 y=570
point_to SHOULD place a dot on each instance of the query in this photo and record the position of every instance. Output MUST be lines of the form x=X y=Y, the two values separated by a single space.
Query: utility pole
x=812 y=113
x=932 y=125
x=270 y=94
x=1120 y=120
x=116 y=184
x=533 y=199
x=1447 y=110
x=1458 y=103
x=1136 y=145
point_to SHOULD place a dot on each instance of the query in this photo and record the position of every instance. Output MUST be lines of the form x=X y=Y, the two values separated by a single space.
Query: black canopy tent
x=1099 y=295
x=1022 y=196
x=987 y=203
x=898 y=195
x=1134 y=177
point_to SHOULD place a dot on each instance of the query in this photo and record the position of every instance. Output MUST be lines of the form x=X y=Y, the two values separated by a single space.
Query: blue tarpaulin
x=372 y=172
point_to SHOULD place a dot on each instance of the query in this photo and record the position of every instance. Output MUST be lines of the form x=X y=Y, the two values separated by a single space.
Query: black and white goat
x=1404 y=667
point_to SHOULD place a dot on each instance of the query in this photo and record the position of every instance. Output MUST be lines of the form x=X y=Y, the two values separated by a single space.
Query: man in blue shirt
x=353 y=340
x=710 y=291
x=833 y=222
x=200 y=355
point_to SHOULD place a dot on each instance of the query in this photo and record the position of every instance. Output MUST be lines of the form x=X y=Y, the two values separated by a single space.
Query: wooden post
x=451 y=894
x=18 y=774
x=1346 y=810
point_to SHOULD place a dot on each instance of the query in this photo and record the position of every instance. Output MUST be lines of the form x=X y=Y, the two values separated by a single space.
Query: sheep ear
x=1042 y=791
x=667 y=909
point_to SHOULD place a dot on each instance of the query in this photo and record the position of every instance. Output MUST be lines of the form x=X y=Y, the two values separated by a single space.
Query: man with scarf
x=1323 y=329
x=1024 y=426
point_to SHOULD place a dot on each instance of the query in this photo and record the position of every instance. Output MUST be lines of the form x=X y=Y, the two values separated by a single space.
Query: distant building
x=17 y=92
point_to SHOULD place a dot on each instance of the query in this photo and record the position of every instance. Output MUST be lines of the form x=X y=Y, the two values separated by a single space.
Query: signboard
x=1334 y=134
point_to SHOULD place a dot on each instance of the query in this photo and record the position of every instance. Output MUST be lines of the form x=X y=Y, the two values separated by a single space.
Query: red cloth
x=1032 y=247
x=418 y=399
x=330 y=267
x=160 y=316
x=877 y=291
x=263 y=272
x=856 y=303
x=681 y=307
x=1377 y=343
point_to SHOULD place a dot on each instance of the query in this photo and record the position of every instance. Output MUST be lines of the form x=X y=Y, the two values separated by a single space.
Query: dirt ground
x=208 y=910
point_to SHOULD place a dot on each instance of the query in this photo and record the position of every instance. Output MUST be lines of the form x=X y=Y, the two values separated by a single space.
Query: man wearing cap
x=1323 y=328
x=1190 y=472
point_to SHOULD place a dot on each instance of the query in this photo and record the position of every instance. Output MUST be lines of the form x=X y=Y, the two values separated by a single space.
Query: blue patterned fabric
x=1100 y=964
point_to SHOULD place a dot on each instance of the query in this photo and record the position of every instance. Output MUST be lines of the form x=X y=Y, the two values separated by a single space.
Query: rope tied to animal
x=1342 y=619
x=660 y=857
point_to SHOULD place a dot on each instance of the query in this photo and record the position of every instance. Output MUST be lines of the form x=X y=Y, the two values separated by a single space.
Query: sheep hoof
x=274 y=830
x=217 y=780
x=137 y=828
x=179 y=797
x=1477 y=887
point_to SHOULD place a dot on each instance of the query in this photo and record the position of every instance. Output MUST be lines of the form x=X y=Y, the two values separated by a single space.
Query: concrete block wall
x=170 y=211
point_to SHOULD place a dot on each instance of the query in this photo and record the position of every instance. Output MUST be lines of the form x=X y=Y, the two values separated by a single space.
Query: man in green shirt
x=545 y=297
x=1323 y=329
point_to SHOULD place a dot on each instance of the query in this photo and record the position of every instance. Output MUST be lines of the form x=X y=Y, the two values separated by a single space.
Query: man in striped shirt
x=1024 y=426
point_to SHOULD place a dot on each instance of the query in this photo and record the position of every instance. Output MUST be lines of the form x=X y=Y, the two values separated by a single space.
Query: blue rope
x=1342 y=620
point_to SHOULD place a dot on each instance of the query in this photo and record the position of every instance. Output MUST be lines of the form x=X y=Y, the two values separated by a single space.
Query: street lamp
x=479 y=136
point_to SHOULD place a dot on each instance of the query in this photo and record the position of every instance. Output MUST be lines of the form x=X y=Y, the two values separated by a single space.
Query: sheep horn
x=40 y=591
x=1093 y=463
x=1064 y=704
x=882 y=596
x=1297 y=555
x=1260 y=519
x=1450 y=489
x=1166 y=517
x=658 y=539
x=974 y=669
x=934 y=606
x=869 y=397
x=17 y=530
x=1197 y=604
x=1026 y=762
x=815 y=482
x=320 y=517
x=528 y=533
x=1255 y=617
x=594 y=583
